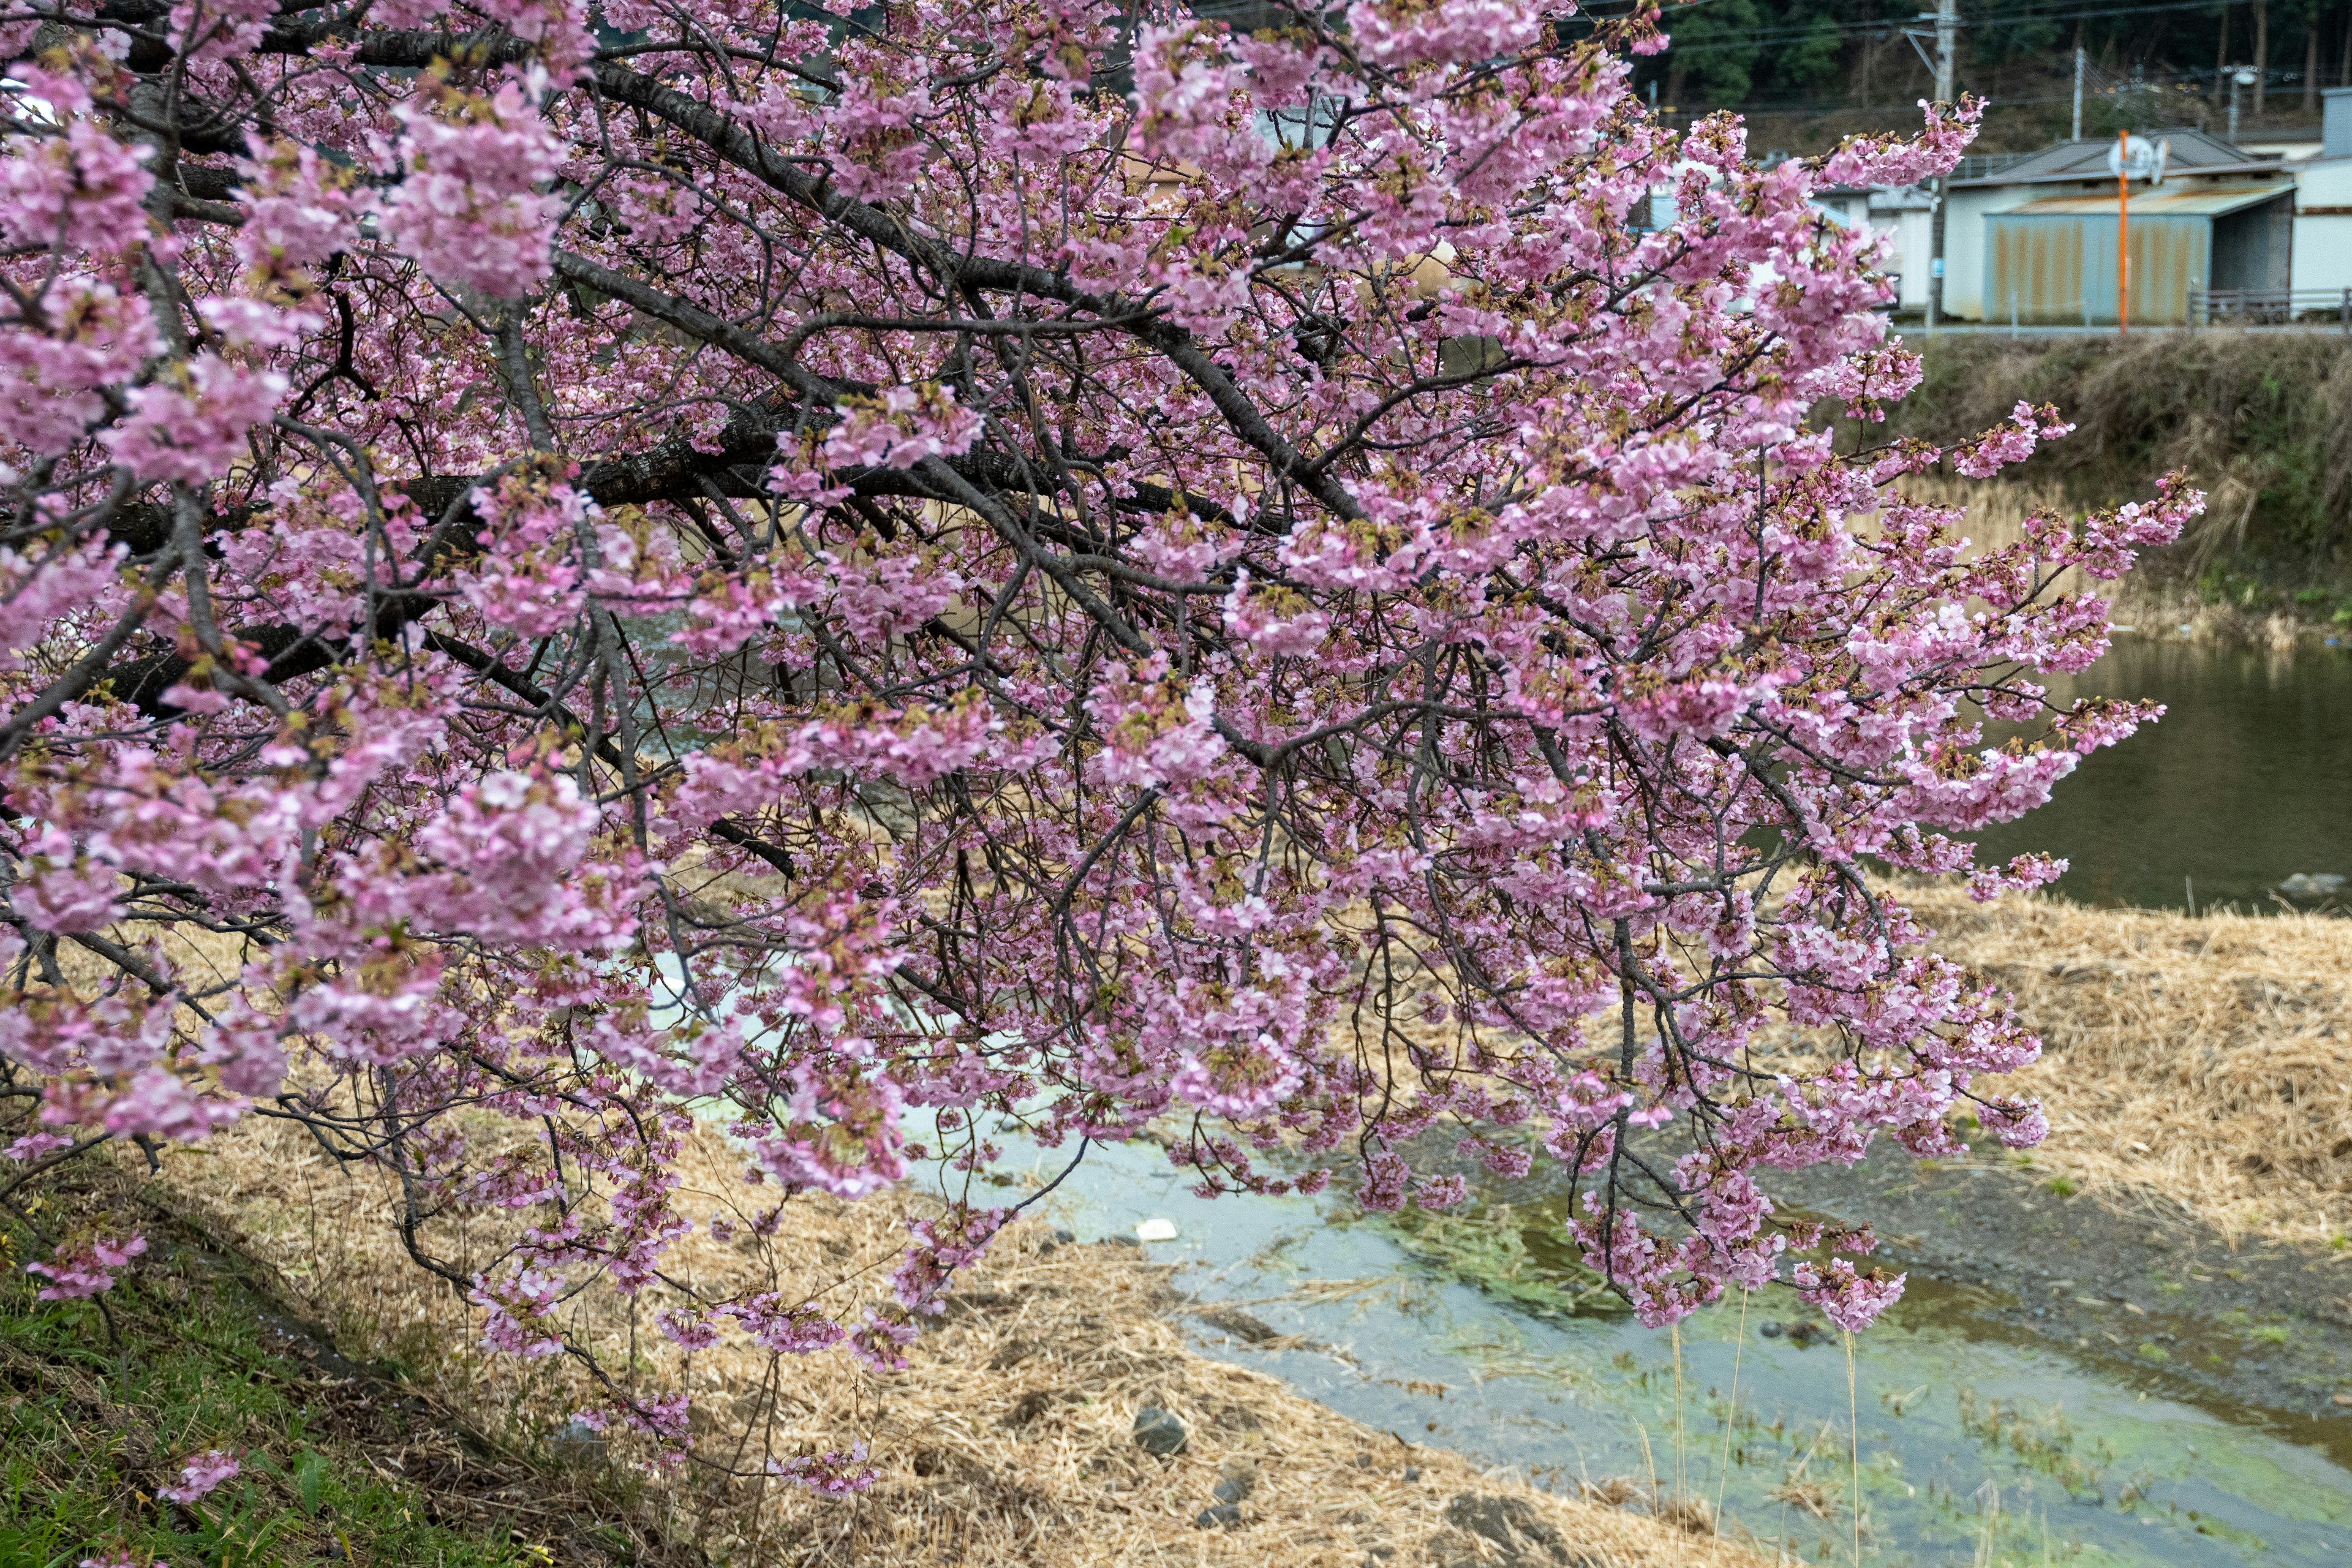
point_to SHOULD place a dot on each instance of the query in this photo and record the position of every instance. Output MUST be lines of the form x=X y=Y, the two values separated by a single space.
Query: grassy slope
x=339 y=1464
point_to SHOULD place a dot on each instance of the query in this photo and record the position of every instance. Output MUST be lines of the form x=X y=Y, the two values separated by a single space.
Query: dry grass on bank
x=1007 y=1440
x=2205 y=1060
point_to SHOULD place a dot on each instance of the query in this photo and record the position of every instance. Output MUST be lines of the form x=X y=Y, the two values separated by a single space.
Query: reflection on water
x=1977 y=1446
x=2247 y=780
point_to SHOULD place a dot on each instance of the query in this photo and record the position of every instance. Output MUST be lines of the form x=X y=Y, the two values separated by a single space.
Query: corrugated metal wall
x=2169 y=255
x=2060 y=268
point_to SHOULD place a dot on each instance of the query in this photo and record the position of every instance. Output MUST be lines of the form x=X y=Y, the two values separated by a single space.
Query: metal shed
x=2054 y=260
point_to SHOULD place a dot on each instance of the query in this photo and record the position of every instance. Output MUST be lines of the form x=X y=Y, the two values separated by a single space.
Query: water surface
x=1977 y=1445
x=2247 y=780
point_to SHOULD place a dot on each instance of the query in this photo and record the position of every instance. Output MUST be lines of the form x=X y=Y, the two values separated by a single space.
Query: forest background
x=1806 y=72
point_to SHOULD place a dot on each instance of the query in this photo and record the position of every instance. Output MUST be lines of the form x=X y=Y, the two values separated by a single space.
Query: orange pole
x=2122 y=233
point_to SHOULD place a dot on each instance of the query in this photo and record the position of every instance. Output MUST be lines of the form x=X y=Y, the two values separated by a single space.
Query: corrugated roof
x=2157 y=204
x=2193 y=153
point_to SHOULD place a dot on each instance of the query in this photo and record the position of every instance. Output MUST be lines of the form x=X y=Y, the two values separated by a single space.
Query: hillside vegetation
x=2263 y=423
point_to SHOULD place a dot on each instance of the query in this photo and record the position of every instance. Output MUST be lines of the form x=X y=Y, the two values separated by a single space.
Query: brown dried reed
x=2205 y=1062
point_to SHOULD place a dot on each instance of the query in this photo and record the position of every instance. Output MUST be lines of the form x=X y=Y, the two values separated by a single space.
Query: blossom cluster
x=569 y=575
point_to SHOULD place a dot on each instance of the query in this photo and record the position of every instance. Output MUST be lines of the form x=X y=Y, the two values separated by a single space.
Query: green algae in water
x=1980 y=1445
x=2044 y=1439
x=1514 y=1256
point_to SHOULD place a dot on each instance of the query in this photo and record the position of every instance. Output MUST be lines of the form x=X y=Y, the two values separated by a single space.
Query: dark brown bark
x=2262 y=53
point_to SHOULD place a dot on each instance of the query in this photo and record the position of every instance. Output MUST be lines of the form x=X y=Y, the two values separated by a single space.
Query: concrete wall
x=1914 y=241
x=2323 y=252
x=1964 y=244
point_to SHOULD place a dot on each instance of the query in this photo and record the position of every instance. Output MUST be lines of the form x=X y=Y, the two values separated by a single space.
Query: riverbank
x=2179 y=595
x=2263 y=424
x=1009 y=1435
x=2205 y=1062
x=2180 y=1225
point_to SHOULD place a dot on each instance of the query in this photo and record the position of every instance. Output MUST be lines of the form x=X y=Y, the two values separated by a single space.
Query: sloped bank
x=1011 y=1437
x=2262 y=422
x=102 y=1402
x=2205 y=1061
x=2193 y=1064
x=2190 y=1215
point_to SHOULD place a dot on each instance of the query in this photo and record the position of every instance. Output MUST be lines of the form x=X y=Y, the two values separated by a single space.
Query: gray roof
x=2193 y=153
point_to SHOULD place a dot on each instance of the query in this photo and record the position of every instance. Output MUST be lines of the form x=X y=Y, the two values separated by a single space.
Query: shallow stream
x=1984 y=1438
x=1980 y=1444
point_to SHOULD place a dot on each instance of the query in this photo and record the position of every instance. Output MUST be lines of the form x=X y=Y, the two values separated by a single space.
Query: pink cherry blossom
x=200 y=1475
x=843 y=581
x=468 y=207
x=192 y=430
x=87 y=1269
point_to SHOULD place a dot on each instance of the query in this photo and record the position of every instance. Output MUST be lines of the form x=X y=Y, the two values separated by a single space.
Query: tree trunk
x=2221 y=60
x=2344 y=60
x=2262 y=53
x=2311 y=67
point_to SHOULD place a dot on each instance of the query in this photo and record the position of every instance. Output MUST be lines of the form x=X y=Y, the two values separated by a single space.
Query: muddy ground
x=2140 y=1287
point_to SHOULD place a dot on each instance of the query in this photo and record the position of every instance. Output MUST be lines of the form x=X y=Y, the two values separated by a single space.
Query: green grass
x=93 y=1421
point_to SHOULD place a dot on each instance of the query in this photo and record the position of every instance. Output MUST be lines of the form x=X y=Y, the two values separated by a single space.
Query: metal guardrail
x=2271 y=307
x=1983 y=165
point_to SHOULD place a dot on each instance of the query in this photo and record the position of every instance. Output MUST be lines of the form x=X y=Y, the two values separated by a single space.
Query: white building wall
x=2323 y=238
x=1914 y=248
x=1964 y=244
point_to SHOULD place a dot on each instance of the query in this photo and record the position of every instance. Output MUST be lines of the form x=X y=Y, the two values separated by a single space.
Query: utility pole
x=2122 y=232
x=1948 y=23
x=2079 y=62
x=1947 y=27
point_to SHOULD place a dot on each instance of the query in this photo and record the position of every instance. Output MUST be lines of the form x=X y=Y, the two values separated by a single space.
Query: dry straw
x=1007 y=1440
x=2203 y=1064
x=2196 y=1068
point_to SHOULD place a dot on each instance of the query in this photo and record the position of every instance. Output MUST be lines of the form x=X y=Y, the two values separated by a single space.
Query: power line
x=1888 y=27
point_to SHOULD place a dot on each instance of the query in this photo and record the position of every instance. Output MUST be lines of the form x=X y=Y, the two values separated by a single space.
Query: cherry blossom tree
x=870 y=576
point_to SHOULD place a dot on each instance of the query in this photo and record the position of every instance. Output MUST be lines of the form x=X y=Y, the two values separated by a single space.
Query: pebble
x=1158 y=1431
x=1223 y=1513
